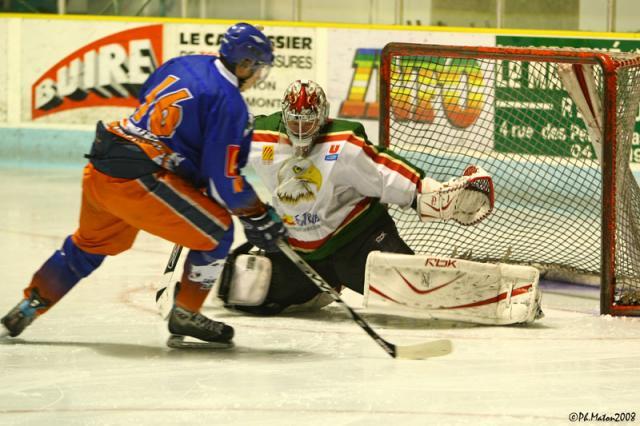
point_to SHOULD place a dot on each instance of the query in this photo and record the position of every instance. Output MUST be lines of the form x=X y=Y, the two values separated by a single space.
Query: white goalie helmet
x=304 y=111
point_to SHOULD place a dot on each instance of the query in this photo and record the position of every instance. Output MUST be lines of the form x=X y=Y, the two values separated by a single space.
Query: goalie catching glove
x=467 y=199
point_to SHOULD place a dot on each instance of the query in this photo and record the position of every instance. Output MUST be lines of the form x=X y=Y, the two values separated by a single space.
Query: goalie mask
x=304 y=111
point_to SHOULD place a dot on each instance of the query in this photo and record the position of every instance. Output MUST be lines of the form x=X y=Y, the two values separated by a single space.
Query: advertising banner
x=296 y=57
x=566 y=134
x=78 y=72
x=353 y=59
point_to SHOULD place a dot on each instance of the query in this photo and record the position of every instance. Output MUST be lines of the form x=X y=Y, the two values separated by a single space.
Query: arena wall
x=61 y=74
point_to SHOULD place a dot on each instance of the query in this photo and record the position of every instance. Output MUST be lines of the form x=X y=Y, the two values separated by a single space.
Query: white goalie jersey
x=341 y=181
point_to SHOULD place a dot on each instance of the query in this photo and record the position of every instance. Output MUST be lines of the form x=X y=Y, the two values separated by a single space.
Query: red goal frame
x=610 y=66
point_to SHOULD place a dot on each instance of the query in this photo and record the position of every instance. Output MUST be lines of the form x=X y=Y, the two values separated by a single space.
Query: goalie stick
x=419 y=351
x=164 y=295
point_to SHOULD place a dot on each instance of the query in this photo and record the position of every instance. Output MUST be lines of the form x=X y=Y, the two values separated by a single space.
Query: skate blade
x=178 y=342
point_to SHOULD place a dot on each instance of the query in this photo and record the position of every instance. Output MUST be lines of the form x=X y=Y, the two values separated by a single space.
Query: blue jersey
x=193 y=105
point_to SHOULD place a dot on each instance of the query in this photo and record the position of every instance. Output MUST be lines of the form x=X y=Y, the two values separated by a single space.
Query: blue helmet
x=244 y=41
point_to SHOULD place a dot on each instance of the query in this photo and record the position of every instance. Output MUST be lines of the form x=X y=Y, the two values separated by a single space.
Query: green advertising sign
x=534 y=115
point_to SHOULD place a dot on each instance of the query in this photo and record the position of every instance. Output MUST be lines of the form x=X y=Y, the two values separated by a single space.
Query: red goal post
x=561 y=204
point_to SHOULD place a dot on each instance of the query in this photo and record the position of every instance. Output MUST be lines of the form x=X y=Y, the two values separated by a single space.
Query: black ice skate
x=22 y=315
x=210 y=333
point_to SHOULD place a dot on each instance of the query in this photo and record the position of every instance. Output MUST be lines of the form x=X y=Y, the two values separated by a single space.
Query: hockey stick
x=419 y=351
x=164 y=294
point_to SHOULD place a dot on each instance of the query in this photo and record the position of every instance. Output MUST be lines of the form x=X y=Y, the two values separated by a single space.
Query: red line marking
x=376 y=291
x=495 y=299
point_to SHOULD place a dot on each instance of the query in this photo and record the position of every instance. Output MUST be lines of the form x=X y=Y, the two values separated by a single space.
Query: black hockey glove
x=263 y=231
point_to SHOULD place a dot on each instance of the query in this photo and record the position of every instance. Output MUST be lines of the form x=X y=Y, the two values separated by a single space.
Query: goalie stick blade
x=424 y=350
x=176 y=341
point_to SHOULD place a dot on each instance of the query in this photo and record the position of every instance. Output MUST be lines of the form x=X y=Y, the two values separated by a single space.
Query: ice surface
x=99 y=357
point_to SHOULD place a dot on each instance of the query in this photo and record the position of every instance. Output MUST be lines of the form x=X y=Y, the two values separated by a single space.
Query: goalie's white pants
x=453 y=289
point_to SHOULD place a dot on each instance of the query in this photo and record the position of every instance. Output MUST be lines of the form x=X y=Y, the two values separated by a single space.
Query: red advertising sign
x=107 y=72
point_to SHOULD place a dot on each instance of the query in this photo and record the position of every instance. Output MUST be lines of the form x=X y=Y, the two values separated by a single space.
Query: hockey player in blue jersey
x=172 y=168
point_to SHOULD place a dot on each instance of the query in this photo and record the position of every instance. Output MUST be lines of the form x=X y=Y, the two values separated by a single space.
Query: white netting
x=514 y=118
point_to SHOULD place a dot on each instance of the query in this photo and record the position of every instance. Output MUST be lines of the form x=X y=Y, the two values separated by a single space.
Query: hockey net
x=562 y=205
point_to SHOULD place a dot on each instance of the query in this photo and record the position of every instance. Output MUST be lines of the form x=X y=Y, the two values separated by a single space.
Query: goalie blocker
x=454 y=289
x=443 y=288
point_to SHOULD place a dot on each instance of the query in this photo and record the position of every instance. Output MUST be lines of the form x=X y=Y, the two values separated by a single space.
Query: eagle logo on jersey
x=296 y=179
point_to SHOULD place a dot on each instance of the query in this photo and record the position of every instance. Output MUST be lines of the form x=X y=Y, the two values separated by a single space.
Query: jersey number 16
x=165 y=115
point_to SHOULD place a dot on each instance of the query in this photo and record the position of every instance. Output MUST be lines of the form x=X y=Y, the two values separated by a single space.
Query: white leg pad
x=453 y=289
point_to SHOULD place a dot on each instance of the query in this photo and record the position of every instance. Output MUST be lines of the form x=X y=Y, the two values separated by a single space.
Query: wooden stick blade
x=424 y=350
